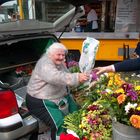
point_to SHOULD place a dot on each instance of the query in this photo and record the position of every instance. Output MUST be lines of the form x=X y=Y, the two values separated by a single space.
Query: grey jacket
x=49 y=81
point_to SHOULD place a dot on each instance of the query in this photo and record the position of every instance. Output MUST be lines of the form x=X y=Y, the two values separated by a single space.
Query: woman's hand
x=83 y=77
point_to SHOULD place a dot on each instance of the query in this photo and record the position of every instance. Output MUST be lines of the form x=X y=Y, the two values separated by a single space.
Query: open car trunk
x=21 y=51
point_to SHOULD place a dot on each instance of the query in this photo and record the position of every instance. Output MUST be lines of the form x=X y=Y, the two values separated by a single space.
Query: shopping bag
x=87 y=58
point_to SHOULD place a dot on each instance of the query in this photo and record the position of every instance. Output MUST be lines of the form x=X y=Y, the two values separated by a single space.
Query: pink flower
x=94 y=75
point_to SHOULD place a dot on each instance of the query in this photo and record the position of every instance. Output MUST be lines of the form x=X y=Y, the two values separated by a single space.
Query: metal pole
x=21 y=9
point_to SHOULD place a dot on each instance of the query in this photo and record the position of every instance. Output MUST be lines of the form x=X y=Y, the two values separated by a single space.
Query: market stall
x=109 y=109
x=109 y=104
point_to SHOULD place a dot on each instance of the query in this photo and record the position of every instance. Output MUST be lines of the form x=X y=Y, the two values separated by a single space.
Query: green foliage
x=72 y=122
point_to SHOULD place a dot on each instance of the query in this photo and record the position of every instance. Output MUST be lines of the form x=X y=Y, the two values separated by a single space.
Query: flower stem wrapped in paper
x=87 y=59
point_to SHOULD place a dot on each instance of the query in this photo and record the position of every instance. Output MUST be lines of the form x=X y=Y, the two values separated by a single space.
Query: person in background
x=13 y=18
x=126 y=65
x=48 y=96
x=92 y=24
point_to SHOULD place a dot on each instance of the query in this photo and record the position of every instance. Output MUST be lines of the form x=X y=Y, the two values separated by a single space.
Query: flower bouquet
x=87 y=93
x=90 y=123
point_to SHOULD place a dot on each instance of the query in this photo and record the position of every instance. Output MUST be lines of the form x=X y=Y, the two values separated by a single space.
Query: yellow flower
x=120 y=90
x=83 y=114
x=138 y=108
x=111 y=74
x=117 y=77
x=111 y=78
x=80 y=126
x=121 y=98
x=137 y=88
x=98 y=91
x=110 y=83
x=119 y=83
x=135 y=121
x=126 y=78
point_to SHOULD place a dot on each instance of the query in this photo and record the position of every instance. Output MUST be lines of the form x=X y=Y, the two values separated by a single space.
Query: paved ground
x=45 y=136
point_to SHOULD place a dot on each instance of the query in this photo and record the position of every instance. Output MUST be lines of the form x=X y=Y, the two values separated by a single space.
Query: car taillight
x=8 y=103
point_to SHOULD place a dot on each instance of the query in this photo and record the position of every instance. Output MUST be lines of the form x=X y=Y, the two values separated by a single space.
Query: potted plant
x=123 y=101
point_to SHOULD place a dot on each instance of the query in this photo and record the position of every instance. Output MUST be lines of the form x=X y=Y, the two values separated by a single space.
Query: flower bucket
x=124 y=132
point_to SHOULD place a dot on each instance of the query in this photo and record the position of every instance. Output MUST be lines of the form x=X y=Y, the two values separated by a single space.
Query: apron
x=57 y=114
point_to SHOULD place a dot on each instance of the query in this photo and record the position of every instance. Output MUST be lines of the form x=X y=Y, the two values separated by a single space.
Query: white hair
x=56 y=46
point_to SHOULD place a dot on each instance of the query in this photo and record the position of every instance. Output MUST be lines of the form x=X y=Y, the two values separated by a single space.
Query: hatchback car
x=22 y=43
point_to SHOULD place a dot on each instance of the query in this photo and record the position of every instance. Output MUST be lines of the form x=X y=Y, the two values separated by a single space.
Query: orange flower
x=111 y=74
x=135 y=121
x=121 y=98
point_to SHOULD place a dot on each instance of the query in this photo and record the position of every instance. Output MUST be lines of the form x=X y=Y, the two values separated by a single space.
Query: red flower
x=84 y=138
x=64 y=136
x=20 y=69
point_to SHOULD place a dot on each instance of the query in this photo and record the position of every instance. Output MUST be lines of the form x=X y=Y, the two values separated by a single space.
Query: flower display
x=108 y=97
x=94 y=123
x=73 y=66
x=122 y=99
x=24 y=70
x=87 y=94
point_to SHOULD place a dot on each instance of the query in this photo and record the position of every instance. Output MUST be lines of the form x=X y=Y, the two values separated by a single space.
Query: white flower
x=129 y=106
x=19 y=71
x=104 y=75
x=108 y=90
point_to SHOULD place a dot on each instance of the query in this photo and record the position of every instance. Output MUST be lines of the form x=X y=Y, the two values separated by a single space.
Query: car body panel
x=30 y=124
x=9 y=121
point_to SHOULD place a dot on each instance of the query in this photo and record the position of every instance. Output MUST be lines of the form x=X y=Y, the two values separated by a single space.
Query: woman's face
x=58 y=56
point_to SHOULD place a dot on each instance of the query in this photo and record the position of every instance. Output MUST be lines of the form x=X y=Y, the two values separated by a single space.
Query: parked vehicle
x=17 y=60
x=21 y=44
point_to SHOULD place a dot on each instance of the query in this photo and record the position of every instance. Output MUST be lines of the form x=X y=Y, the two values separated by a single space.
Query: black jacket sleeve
x=128 y=65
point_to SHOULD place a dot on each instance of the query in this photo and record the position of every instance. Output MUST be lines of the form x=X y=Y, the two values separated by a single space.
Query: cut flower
x=95 y=122
x=121 y=98
x=135 y=121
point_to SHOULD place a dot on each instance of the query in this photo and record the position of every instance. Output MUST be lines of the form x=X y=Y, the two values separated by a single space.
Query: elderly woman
x=48 y=95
